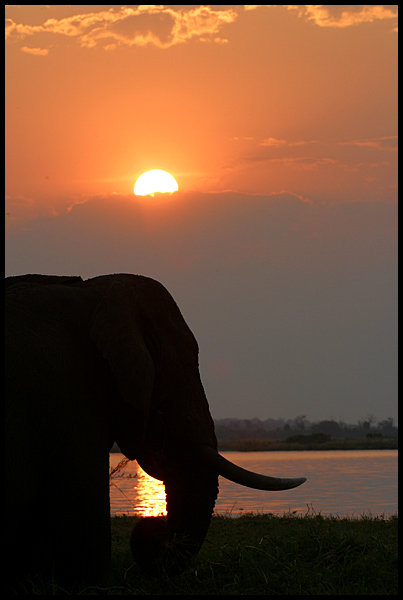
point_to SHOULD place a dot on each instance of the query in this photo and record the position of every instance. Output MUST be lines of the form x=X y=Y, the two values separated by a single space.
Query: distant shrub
x=313 y=438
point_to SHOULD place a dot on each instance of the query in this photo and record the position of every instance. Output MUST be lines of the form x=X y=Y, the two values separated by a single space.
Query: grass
x=262 y=554
x=270 y=555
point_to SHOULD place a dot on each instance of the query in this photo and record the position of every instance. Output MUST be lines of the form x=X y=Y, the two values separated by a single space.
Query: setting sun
x=155 y=181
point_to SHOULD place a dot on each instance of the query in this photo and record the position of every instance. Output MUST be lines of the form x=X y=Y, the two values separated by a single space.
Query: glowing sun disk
x=155 y=181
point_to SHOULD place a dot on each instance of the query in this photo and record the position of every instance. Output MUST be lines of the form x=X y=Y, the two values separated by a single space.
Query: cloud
x=163 y=26
x=339 y=15
x=300 y=163
x=298 y=156
x=252 y=274
x=35 y=51
x=346 y=15
x=224 y=228
x=24 y=212
x=305 y=163
x=275 y=143
x=160 y=26
x=242 y=138
x=387 y=142
x=293 y=303
x=272 y=150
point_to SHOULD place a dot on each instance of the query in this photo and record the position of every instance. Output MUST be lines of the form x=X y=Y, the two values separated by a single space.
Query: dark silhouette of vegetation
x=276 y=430
x=248 y=435
x=315 y=438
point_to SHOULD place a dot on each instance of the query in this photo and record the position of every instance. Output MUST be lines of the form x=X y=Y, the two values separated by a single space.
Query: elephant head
x=122 y=345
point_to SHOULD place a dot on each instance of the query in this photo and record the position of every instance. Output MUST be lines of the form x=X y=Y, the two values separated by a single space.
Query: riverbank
x=309 y=444
x=269 y=555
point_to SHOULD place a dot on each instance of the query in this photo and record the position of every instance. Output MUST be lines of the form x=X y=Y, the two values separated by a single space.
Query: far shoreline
x=257 y=445
x=281 y=445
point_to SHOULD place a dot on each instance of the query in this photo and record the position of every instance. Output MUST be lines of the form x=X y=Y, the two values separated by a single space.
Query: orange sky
x=279 y=123
x=249 y=98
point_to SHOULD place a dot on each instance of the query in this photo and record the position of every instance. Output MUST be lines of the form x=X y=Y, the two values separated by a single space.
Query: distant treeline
x=299 y=433
x=314 y=441
x=295 y=430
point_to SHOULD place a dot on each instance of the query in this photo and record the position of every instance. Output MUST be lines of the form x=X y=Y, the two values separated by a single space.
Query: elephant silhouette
x=89 y=363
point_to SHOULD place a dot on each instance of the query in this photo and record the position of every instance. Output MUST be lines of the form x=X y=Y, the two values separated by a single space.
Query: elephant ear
x=116 y=332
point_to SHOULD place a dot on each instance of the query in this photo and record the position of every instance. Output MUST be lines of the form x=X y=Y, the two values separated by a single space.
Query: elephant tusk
x=244 y=477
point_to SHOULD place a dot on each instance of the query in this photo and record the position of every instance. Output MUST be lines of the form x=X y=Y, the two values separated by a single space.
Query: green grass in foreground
x=269 y=555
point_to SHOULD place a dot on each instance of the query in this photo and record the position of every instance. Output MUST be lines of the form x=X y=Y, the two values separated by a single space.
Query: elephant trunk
x=165 y=546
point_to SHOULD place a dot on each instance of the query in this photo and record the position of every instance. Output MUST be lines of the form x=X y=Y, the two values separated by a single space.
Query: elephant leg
x=82 y=536
x=61 y=532
x=81 y=521
x=76 y=494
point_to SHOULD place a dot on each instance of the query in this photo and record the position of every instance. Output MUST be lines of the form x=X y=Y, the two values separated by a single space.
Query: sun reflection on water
x=340 y=482
x=133 y=491
x=150 y=495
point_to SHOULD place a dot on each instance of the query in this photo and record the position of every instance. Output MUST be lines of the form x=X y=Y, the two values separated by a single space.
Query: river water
x=339 y=482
